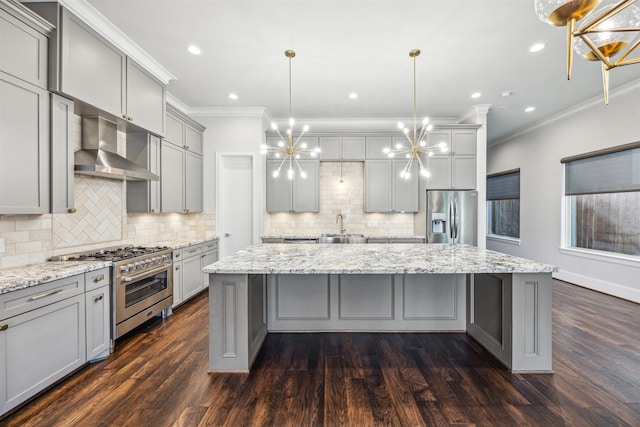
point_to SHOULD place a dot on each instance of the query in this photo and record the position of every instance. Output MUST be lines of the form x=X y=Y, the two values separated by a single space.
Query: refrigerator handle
x=455 y=215
x=451 y=221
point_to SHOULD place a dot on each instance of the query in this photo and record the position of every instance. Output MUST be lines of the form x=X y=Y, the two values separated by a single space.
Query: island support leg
x=237 y=320
x=510 y=315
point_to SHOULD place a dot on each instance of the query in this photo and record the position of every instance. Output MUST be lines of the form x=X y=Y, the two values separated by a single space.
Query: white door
x=235 y=217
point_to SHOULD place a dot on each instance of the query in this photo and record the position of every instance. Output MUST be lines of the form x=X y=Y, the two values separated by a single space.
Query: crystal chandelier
x=612 y=31
x=416 y=142
x=289 y=149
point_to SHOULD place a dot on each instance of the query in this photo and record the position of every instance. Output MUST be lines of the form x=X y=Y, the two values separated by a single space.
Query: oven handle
x=145 y=274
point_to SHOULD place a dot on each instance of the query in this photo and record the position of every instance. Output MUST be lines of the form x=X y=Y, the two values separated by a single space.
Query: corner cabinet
x=386 y=191
x=456 y=169
x=181 y=165
x=297 y=194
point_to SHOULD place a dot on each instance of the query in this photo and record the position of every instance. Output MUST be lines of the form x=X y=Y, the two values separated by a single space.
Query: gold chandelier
x=611 y=32
x=417 y=141
x=288 y=149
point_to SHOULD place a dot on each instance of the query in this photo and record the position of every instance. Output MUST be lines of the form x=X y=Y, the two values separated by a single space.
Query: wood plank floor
x=158 y=377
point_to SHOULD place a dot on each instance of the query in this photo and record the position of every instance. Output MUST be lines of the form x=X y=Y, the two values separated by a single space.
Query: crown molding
x=26 y=15
x=113 y=34
x=575 y=109
x=227 y=111
x=350 y=125
x=177 y=104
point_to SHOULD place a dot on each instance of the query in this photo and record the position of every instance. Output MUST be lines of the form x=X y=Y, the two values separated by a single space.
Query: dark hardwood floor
x=158 y=377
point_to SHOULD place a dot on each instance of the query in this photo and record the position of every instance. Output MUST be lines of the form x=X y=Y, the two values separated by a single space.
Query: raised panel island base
x=503 y=302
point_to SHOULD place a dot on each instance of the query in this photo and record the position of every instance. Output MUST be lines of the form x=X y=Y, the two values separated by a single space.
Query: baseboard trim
x=603 y=286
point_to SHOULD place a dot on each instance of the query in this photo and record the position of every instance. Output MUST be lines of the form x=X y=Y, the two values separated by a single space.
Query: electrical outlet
x=1 y=245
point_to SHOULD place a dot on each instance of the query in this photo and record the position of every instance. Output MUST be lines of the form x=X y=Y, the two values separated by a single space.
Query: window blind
x=613 y=172
x=503 y=186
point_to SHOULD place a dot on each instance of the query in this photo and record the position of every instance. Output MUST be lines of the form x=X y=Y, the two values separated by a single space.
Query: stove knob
x=124 y=268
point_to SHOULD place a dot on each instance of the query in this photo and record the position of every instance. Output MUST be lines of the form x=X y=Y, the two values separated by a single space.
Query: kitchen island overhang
x=503 y=302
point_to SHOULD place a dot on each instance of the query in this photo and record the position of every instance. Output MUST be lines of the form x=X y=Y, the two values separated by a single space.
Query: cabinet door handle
x=4 y=327
x=177 y=267
x=98 y=298
x=177 y=255
x=99 y=278
x=46 y=294
x=192 y=251
x=72 y=210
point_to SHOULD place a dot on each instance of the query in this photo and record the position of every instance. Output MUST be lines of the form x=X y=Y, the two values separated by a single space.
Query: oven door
x=136 y=292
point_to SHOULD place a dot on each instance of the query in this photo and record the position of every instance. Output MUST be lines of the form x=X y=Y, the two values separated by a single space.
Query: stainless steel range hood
x=99 y=157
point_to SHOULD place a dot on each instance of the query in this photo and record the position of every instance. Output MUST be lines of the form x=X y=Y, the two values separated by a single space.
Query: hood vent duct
x=99 y=154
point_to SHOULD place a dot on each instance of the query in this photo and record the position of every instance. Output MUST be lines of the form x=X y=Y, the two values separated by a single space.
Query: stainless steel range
x=142 y=283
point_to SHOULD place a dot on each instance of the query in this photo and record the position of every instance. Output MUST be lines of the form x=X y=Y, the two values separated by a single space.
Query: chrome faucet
x=339 y=220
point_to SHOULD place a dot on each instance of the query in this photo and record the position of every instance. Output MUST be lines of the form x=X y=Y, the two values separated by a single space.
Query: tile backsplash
x=100 y=221
x=346 y=199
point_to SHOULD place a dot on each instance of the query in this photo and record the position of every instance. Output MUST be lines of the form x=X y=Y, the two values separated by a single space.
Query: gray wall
x=537 y=153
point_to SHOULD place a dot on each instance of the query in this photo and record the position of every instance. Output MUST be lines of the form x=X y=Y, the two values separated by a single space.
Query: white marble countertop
x=374 y=258
x=13 y=279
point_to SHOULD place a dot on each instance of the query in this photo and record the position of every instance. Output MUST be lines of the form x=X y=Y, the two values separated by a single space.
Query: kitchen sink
x=342 y=238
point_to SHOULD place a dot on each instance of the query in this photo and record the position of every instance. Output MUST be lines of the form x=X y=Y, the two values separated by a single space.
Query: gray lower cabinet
x=62 y=168
x=209 y=256
x=98 y=313
x=24 y=147
x=144 y=196
x=296 y=195
x=42 y=338
x=386 y=191
x=188 y=262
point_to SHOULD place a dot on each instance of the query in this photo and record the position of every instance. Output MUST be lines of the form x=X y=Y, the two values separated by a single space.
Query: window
x=503 y=203
x=602 y=192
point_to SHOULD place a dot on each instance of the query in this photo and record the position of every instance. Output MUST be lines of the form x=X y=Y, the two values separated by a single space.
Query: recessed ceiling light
x=476 y=95
x=529 y=109
x=537 y=47
x=506 y=93
x=194 y=50
x=233 y=96
x=353 y=95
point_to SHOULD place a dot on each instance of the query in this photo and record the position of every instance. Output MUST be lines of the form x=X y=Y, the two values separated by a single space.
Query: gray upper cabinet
x=181 y=171
x=457 y=168
x=145 y=98
x=386 y=191
x=375 y=146
x=336 y=148
x=23 y=50
x=144 y=196
x=24 y=147
x=172 y=178
x=62 y=168
x=88 y=68
x=275 y=140
x=296 y=195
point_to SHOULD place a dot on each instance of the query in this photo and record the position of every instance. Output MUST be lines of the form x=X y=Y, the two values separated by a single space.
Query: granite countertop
x=317 y=236
x=277 y=258
x=179 y=244
x=13 y=279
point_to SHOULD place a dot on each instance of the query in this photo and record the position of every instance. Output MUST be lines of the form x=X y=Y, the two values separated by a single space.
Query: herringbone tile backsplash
x=98 y=217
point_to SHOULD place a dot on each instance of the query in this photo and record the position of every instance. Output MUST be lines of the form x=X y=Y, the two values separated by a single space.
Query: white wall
x=537 y=153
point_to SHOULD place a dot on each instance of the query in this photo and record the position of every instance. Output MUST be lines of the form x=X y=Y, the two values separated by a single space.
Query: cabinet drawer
x=177 y=255
x=192 y=250
x=210 y=246
x=98 y=278
x=24 y=300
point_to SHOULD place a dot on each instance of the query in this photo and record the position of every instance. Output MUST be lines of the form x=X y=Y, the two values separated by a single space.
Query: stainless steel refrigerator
x=452 y=216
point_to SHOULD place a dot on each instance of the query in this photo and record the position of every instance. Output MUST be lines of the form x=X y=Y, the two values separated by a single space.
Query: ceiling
x=363 y=47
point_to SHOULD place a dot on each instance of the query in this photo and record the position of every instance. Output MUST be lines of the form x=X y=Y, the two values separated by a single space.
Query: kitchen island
x=503 y=302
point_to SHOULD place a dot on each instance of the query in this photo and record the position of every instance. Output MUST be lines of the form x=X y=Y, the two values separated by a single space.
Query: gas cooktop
x=113 y=254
